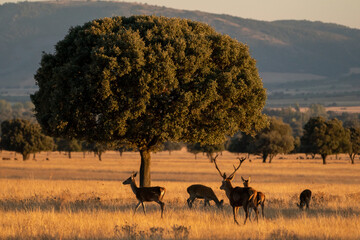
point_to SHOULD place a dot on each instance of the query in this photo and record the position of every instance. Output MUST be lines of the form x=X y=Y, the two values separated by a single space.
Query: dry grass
x=82 y=198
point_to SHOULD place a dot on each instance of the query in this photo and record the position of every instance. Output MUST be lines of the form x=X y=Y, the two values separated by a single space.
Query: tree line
x=320 y=136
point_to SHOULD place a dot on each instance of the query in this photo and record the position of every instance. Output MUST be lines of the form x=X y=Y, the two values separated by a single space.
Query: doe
x=146 y=194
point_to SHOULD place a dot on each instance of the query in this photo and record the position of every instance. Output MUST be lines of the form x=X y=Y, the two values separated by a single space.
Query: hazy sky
x=344 y=12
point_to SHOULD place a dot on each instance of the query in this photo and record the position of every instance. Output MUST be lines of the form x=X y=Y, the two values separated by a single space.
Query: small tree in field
x=172 y=146
x=241 y=143
x=324 y=137
x=145 y=80
x=353 y=148
x=68 y=145
x=97 y=148
x=274 y=140
x=208 y=149
x=24 y=137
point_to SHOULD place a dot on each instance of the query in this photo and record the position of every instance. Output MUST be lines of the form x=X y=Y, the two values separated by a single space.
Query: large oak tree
x=145 y=80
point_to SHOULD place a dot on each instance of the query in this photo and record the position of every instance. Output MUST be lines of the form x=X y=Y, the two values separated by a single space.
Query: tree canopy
x=274 y=140
x=145 y=80
x=324 y=137
x=24 y=137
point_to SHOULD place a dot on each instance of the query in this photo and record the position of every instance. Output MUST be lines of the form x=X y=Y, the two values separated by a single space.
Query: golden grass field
x=83 y=198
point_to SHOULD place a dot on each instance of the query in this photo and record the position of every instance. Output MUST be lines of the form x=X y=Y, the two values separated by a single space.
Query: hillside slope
x=316 y=49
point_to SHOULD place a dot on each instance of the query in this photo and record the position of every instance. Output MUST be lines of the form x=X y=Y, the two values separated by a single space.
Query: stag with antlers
x=238 y=196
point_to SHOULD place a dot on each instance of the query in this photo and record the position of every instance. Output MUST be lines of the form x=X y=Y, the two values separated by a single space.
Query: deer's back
x=201 y=191
x=240 y=196
x=305 y=195
x=260 y=197
x=148 y=194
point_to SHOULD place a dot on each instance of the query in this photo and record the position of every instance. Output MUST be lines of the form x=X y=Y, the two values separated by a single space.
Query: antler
x=216 y=166
x=237 y=168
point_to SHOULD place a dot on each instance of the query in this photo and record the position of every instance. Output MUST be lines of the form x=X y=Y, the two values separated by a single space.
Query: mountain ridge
x=326 y=50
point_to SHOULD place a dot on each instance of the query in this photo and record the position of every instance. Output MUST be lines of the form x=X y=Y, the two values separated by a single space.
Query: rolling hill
x=290 y=54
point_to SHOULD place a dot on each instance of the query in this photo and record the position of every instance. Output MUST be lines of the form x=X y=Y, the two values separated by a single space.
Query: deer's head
x=130 y=179
x=226 y=180
x=245 y=181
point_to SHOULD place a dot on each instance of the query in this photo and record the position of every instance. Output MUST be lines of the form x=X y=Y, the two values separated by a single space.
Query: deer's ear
x=231 y=177
x=242 y=179
x=134 y=175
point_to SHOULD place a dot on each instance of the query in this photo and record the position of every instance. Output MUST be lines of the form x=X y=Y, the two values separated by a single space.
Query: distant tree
x=324 y=137
x=292 y=116
x=353 y=148
x=297 y=145
x=209 y=149
x=5 y=110
x=172 y=146
x=96 y=147
x=122 y=147
x=145 y=80
x=274 y=140
x=317 y=110
x=68 y=145
x=241 y=143
x=24 y=137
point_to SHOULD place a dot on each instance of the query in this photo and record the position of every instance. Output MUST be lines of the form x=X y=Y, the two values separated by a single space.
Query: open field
x=82 y=198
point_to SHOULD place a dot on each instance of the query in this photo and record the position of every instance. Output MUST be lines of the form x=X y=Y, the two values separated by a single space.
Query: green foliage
x=68 y=145
x=324 y=137
x=241 y=143
x=274 y=140
x=208 y=149
x=294 y=117
x=16 y=110
x=96 y=147
x=24 y=137
x=317 y=110
x=172 y=146
x=353 y=147
x=147 y=80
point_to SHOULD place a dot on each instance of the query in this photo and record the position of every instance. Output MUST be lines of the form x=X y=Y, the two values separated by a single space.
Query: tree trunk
x=324 y=158
x=352 y=158
x=25 y=156
x=264 y=157
x=99 y=154
x=271 y=157
x=69 y=154
x=145 y=178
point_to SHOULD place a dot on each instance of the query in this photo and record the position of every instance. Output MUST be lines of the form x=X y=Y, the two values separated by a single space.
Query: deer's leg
x=246 y=209
x=262 y=209
x=136 y=207
x=162 y=206
x=257 y=214
x=143 y=205
x=235 y=210
x=189 y=202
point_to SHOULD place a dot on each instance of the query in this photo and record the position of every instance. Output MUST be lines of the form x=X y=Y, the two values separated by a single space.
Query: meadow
x=83 y=198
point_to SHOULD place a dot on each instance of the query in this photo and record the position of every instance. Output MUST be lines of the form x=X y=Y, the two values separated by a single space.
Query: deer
x=238 y=196
x=260 y=196
x=202 y=192
x=146 y=194
x=305 y=197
